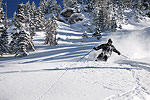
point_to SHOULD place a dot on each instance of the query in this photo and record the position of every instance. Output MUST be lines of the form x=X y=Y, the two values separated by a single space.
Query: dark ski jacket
x=107 y=49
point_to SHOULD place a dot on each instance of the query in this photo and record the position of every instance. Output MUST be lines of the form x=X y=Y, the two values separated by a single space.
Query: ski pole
x=125 y=56
x=85 y=55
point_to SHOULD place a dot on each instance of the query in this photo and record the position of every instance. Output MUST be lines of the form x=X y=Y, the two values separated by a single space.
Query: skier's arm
x=116 y=51
x=99 y=47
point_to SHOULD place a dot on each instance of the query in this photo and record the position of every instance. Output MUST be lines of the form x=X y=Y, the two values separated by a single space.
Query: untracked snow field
x=57 y=73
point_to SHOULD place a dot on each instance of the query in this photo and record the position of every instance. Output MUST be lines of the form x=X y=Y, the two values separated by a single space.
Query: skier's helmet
x=110 y=41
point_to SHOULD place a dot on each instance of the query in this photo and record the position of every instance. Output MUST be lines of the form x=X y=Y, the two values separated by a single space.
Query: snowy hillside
x=57 y=73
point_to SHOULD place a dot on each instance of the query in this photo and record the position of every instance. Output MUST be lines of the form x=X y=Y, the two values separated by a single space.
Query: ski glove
x=95 y=48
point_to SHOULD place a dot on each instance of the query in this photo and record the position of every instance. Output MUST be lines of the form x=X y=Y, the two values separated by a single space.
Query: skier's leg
x=105 y=58
x=100 y=56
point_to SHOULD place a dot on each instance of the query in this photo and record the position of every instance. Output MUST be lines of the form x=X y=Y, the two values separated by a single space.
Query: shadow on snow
x=137 y=64
x=74 y=68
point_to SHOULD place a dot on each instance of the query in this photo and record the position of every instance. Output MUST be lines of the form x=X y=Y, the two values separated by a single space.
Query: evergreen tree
x=43 y=5
x=51 y=32
x=39 y=20
x=15 y=20
x=90 y=5
x=21 y=43
x=24 y=21
x=80 y=1
x=55 y=9
x=33 y=6
x=88 y=1
x=32 y=28
x=27 y=11
x=4 y=48
x=30 y=15
x=3 y=33
x=58 y=10
x=14 y=42
x=50 y=7
x=101 y=16
x=20 y=15
x=69 y=3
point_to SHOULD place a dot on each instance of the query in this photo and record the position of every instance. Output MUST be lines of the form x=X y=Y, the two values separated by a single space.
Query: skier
x=106 y=51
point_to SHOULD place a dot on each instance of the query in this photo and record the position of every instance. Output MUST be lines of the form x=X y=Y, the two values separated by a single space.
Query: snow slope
x=55 y=72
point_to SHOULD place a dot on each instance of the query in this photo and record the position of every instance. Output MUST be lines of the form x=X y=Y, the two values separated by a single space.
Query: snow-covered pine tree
x=4 y=48
x=22 y=39
x=32 y=28
x=20 y=15
x=27 y=9
x=113 y=24
x=90 y=4
x=48 y=37
x=101 y=15
x=3 y=33
x=121 y=6
x=59 y=8
x=27 y=14
x=116 y=15
x=80 y=1
x=33 y=6
x=54 y=26
x=39 y=19
x=69 y=3
x=43 y=5
x=139 y=9
x=51 y=33
x=24 y=44
x=15 y=21
x=19 y=19
x=14 y=42
x=53 y=8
